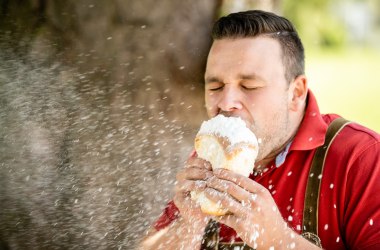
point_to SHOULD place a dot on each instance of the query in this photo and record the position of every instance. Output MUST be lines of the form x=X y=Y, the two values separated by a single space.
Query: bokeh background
x=100 y=102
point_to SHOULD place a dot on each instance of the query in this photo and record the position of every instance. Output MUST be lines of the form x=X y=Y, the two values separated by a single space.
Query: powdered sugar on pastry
x=225 y=142
x=233 y=129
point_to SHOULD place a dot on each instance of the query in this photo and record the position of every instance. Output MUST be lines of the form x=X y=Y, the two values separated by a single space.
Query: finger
x=237 y=192
x=190 y=210
x=244 y=182
x=198 y=162
x=193 y=173
x=226 y=201
x=184 y=202
x=188 y=186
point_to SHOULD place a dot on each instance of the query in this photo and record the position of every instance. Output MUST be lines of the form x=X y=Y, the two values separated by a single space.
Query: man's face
x=245 y=77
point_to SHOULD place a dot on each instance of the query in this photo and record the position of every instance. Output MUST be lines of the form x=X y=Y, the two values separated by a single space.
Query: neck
x=262 y=163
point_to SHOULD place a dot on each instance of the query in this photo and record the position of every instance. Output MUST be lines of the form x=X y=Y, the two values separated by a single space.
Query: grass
x=347 y=82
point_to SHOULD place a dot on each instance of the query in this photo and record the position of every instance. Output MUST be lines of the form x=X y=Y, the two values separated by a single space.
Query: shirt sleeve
x=362 y=213
x=169 y=214
x=171 y=211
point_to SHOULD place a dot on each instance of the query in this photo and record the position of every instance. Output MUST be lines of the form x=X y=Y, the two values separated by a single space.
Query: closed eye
x=216 y=88
x=249 y=87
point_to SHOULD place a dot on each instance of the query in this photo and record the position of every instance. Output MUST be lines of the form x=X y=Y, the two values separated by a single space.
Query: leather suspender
x=310 y=213
x=211 y=236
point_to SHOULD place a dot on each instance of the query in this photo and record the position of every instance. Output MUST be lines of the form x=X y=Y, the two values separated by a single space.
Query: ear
x=297 y=93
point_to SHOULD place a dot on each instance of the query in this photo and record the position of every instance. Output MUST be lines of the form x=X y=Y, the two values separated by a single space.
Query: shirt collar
x=311 y=133
x=281 y=157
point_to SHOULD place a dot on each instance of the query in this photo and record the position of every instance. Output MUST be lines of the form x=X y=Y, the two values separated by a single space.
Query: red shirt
x=349 y=202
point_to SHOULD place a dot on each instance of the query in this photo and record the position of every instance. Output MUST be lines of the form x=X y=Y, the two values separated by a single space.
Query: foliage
x=345 y=83
x=315 y=23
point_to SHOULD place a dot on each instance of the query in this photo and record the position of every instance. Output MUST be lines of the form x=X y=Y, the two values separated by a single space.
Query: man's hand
x=192 y=178
x=186 y=232
x=254 y=214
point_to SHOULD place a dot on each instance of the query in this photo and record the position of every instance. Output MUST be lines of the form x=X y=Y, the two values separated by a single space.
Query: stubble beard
x=272 y=139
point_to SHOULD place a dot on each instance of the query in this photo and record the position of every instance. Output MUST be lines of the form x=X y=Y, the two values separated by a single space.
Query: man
x=255 y=70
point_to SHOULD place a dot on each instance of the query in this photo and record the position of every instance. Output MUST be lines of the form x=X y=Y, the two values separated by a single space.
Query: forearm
x=178 y=235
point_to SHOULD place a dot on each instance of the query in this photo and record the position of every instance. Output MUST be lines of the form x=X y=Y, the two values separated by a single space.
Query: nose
x=230 y=99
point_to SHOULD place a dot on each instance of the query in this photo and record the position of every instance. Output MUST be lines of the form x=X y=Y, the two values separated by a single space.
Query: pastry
x=225 y=142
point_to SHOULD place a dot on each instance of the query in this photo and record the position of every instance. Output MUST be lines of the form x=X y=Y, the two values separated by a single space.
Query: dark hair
x=257 y=22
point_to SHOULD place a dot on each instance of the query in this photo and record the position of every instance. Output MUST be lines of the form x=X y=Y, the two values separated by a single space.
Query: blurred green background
x=342 y=43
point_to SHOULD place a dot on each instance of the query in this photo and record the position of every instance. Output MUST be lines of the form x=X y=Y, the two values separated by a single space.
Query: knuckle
x=193 y=162
x=207 y=165
x=230 y=188
x=265 y=192
x=212 y=180
x=189 y=162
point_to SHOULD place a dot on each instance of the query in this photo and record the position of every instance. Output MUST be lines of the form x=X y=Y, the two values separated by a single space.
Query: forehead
x=244 y=54
x=246 y=47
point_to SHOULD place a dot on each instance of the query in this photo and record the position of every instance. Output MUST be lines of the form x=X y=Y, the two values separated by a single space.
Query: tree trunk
x=99 y=103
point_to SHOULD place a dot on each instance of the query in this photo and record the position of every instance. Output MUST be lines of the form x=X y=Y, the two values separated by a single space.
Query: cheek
x=266 y=112
x=269 y=104
x=256 y=106
x=211 y=103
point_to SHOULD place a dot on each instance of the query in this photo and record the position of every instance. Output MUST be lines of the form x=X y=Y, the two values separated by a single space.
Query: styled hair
x=255 y=23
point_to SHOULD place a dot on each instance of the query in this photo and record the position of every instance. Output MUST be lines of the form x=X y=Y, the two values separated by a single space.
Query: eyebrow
x=212 y=79
x=251 y=77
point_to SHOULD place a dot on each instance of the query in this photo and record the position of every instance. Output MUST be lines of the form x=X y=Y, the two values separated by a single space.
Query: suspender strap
x=211 y=236
x=310 y=212
x=211 y=240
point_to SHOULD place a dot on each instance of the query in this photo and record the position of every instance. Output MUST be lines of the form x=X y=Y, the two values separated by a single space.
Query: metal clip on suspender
x=310 y=213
